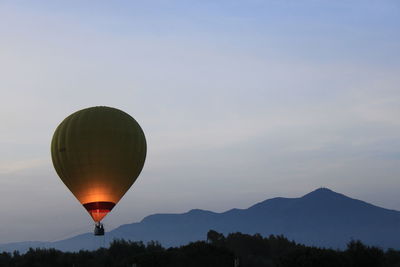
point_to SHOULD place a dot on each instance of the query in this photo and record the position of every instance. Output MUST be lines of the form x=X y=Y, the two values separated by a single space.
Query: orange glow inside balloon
x=98 y=214
x=98 y=210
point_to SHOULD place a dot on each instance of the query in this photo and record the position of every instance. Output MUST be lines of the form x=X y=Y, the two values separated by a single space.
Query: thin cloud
x=8 y=167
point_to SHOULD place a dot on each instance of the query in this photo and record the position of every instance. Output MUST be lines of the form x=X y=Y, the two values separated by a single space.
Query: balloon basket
x=99 y=229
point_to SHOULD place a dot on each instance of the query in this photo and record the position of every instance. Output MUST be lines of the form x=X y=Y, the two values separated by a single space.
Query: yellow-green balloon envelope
x=98 y=153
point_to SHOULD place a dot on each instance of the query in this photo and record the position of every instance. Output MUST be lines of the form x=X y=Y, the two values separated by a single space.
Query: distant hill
x=321 y=218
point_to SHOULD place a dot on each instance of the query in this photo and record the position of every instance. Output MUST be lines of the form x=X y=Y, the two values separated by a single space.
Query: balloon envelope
x=98 y=153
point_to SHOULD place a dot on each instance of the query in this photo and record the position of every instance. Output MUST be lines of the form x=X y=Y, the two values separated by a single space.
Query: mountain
x=321 y=218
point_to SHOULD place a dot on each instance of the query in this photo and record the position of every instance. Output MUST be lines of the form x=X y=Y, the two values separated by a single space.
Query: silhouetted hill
x=321 y=218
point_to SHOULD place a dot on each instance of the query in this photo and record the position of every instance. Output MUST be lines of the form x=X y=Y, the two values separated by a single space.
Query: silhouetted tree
x=219 y=251
x=214 y=237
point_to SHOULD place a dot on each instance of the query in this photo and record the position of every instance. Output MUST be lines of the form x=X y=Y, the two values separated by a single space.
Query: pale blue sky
x=240 y=101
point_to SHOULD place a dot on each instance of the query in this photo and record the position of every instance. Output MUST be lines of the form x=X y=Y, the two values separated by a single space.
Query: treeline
x=256 y=251
x=235 y=249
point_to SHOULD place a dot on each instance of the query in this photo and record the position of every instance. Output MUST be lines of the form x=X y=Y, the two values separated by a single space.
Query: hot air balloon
x=98 y=153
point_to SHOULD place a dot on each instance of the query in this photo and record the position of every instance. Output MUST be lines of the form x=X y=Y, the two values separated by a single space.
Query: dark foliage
x=218 y=251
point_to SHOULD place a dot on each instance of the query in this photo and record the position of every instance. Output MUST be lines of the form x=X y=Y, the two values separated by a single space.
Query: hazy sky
x=240 y=101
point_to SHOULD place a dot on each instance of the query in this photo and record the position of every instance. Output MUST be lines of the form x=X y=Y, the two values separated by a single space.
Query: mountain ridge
x=322 y=218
